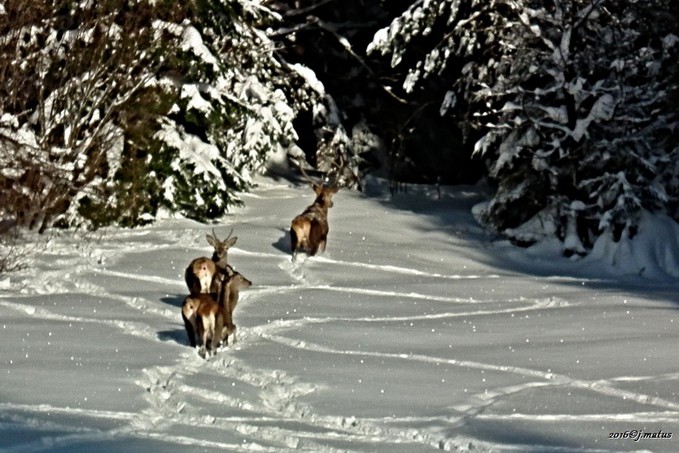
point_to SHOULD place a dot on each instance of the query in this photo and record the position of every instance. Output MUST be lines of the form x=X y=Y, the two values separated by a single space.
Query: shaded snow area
x=415 y=331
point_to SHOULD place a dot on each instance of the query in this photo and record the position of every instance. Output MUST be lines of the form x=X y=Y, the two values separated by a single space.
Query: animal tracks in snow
x=274 y=406
x=360 y=349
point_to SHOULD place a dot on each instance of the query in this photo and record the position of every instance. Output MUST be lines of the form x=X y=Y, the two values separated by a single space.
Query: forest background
x=120 y=112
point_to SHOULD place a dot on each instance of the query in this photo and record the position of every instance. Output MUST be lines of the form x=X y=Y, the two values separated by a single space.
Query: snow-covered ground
x=415 y=331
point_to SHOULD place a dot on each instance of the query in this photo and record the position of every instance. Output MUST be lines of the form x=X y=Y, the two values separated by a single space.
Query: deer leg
x=190 y=330
x=323 y=242
x=217 y=334
x=321 y=245
x=294 y=241
x=205 y=342
x=207 y=339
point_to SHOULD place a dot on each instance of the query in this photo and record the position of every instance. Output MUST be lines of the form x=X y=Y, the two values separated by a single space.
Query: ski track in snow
x=272 y=415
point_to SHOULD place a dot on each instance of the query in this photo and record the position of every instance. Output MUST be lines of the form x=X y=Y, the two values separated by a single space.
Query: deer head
x=221 y=248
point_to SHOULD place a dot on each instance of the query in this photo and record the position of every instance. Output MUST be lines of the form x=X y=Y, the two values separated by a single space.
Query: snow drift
x=414 y=332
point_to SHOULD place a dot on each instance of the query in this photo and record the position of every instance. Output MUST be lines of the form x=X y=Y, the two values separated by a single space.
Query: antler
x=304 y=173
x=339 y=166
x=214 y=234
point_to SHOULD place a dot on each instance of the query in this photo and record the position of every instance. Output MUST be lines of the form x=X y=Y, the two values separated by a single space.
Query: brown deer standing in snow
x=213 y=318
x=309 y=230
x=204 y=275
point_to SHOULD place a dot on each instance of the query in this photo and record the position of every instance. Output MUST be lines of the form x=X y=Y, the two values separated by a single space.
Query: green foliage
x=117 y=111
x=131 y=197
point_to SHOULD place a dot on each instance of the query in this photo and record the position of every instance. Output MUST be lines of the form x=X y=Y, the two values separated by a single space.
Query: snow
x=196 y=101
x=309 y=77
x=415 y=331
x=192 y=149
x=191 y=40
x=602 y=109
x=653 y=252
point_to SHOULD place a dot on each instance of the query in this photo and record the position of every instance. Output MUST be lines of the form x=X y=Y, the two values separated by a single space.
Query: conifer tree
x=119 y=110
x=567 y=101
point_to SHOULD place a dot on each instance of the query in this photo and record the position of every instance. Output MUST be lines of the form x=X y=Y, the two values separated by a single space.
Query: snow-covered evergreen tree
x=114 y=111
x=67 y=71
x=568 y=97
x=233 y=102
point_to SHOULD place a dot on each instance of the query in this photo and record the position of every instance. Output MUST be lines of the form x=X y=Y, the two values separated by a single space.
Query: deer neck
x=232 y=298
x=228 y=297
x=219 y=262
x=321 y=204
x=224 y=295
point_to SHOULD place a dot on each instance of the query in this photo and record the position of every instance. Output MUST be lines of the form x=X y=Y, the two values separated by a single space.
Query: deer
x=214 y=316
x=193 y=301
x=309 y=230
x=204 y=275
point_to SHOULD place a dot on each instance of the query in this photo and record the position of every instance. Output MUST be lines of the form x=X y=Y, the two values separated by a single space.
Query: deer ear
x=211 y=240
x=318 y=189
x=230 y=242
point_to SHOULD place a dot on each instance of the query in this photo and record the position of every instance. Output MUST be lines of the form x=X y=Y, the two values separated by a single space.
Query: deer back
x=207 y=315
x=204 y=275
x=199 y=275
x=189 y=315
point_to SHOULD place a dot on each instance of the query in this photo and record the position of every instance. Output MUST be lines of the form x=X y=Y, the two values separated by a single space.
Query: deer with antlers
x=204 y=275
x=309 y=230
